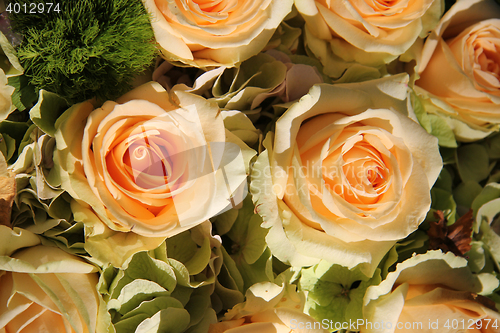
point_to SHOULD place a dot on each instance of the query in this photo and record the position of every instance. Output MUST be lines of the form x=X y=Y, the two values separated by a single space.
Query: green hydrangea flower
x=154 y=295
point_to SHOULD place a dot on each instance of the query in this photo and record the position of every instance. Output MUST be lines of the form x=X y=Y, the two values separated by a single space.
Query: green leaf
x=224 y=222
x=465 y=193
x=404 y=249
x=472 y=162
x=444 y=181
x=443 y=200
x=29 y=137
x=25 y=94
x=11 y=66
x=448 y=155
x=7 y=146
x=46 y=111
x=493 y=146
x=441 y=130
x=14 y=129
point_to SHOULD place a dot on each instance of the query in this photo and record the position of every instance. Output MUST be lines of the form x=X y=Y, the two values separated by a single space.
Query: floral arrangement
x=243 y=166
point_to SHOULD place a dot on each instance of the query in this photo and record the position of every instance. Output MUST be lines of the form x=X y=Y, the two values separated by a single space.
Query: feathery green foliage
x=89 y=48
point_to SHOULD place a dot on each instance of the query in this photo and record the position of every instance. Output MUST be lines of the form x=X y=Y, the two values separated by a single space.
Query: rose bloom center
x=487 y=55
x=381 y=5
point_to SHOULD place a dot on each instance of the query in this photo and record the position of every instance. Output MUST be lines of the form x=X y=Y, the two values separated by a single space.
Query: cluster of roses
x=275 y=191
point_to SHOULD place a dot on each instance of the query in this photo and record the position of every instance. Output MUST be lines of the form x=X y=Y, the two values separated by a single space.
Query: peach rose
x=432 y=292
x=151 y=163
x=460 y=69
x=373 y=33
x=44 y=289
x=204 y=33
x=345 y=176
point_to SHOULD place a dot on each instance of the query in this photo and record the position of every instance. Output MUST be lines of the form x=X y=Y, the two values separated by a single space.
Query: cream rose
x=269 y=308
x=44 y=289
x=342 y=33
x=460 y=69
x=207 y=33
x=151 y=163
x=345 y=176
x=432 y=292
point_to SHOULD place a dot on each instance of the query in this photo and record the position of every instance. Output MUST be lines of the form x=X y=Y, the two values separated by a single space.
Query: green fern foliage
x=90 y=48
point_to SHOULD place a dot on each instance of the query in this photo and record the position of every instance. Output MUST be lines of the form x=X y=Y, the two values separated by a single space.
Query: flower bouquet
x=243 y=166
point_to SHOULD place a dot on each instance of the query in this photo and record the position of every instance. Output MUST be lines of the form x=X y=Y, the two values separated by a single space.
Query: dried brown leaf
x=455 y=238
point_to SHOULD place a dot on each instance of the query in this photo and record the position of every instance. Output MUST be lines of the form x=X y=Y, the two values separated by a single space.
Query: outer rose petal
x=305 y=228
x=225 y=36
